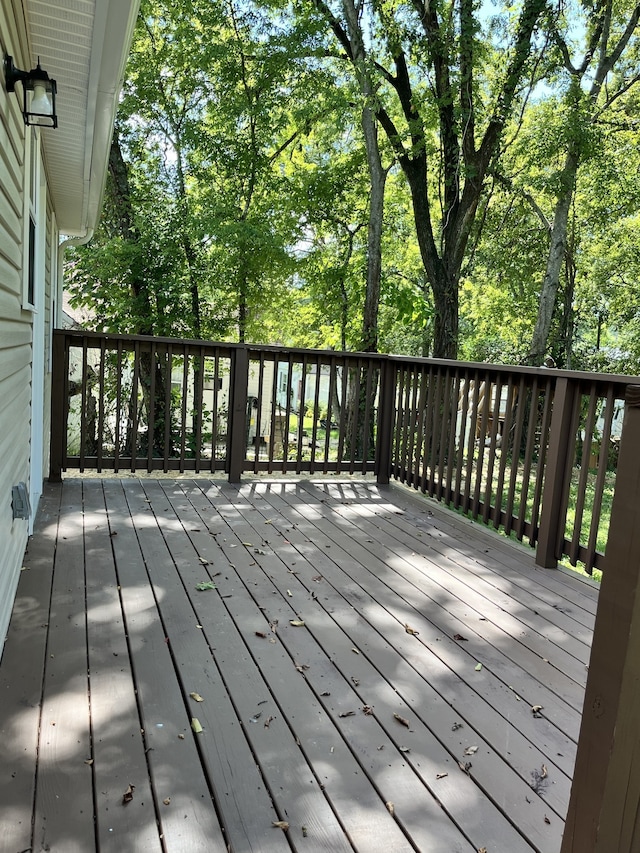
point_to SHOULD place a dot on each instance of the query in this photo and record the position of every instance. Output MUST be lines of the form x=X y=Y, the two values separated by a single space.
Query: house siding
x=16 y=324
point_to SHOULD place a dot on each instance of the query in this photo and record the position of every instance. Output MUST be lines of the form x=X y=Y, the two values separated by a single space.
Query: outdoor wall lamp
x=38 y=93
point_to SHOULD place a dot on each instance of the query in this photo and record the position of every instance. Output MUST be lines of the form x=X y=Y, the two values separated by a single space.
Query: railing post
x=237 y=427
x=557 y=469
x=385 y=421
x=604 y=808
x=57 y=438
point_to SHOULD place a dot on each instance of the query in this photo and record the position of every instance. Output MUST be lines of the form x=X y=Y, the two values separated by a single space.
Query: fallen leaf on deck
x=195 y=725
x=248 y=544
x=196 y=697
x=460 y=638
x=471 y=750
x=261 y=634
x=546 y=819
x=89 y=761
x=180 y=737
x=301 y=666
x=204 y=562
x=280 y=824
x=390 y=808
x=478 y=667
x=297 y=623
x=355 y=651
x=317 y=578
x=259 y=551
x=410 y=630
x=355 y=680
x=289 y=593
x=367 y=709
x=465 y=767
x=347 y=714
x=325 y=693
x=543 y=772
x=268 y=722
x=128 y=794
x=255 y=717
x=166 y=801
x=205 y=585
x=456 y=726
x=441 y=775
x=401 y=720
x=536 y=710
x=404 y=749
x=482 y=850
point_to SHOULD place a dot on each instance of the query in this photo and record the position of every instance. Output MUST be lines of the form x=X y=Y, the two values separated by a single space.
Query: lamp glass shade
x=40 y=101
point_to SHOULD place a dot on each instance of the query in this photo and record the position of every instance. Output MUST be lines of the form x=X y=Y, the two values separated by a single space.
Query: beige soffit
x=83 y=45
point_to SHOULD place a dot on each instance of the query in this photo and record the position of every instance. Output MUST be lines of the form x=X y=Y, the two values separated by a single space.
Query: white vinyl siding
x=16 y=323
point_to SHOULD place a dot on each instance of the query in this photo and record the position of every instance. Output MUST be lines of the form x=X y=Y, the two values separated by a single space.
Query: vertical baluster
x=505 y=447
x=460 y=458
x=481 y=436
x=184 y=391
x=101 y=395
x=453 y=432
x=471 y=442
x=83 y=403
x=316 y=414
x=343 y=412
x=522 y=403
x=583 y=479
x=496 y=401
x=446 y=428
x=542 y=462
x=168 y=411
x=118 y=424
x=151 y=407
x=603 y=463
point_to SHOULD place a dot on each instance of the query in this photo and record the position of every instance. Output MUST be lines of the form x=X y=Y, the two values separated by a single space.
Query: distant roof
x=83 y=45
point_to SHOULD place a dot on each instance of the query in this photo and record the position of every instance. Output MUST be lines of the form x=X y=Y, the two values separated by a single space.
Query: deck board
x=110 y=636
x=386 y=613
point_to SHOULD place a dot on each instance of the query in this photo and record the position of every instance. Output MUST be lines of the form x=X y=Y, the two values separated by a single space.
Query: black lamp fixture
x=38 y=93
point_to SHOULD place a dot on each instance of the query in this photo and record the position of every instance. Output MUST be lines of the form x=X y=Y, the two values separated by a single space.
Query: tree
x=608 y=34
x=444 y=117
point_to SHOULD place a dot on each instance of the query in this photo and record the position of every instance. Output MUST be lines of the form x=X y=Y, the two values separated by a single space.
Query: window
x=32 y=213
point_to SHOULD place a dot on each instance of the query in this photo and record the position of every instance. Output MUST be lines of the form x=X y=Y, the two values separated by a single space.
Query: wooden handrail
x=515 y=447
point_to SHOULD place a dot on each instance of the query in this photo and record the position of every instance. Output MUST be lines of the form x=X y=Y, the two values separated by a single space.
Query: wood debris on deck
x=307 y=665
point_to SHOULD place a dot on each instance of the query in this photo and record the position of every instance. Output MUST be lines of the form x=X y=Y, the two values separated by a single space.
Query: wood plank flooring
x=362 y=665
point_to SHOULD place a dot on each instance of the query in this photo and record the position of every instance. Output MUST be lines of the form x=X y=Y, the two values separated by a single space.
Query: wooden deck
x=367 y=663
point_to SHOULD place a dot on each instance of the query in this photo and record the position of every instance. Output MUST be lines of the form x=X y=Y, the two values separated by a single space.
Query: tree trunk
x=378 y=178
x=128 y=230
x=557 y=249
x=443 y=281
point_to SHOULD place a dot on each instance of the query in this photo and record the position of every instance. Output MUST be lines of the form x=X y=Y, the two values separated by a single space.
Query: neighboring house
x=51 y=184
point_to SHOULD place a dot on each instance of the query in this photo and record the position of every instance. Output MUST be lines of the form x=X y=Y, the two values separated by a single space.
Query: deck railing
x=532 y=452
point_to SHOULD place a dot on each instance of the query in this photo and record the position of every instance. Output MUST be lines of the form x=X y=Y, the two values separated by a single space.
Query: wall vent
x=20 y=501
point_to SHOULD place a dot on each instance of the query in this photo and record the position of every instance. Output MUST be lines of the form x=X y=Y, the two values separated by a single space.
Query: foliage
x=246 y=209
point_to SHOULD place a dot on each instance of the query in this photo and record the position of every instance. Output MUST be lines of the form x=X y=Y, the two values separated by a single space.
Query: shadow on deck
x=368 y=668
